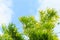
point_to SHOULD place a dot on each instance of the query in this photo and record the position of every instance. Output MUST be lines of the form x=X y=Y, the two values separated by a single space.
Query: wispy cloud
x=50 y=3
x=5 y=11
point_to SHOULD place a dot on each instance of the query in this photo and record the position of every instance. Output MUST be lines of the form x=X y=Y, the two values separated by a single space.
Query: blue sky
x=23 y=8
x=10 y=10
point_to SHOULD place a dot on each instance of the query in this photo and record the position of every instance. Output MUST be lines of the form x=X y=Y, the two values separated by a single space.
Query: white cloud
x=5 y=11
x=50 y=4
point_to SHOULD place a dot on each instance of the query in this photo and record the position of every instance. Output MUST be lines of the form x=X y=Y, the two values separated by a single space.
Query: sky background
x=23 y=8
x=10 y=10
